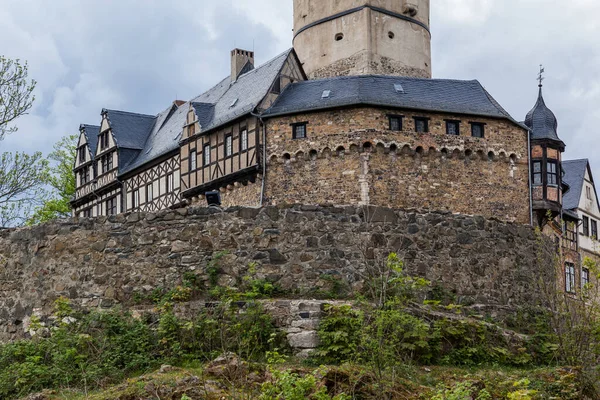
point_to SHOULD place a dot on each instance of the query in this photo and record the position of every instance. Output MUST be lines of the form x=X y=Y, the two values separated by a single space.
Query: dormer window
x=191 y=130
x=477 y=129
x=103 y=140
x=82 y=156
x=421 y=124
x=395 y=123
x=552 y=173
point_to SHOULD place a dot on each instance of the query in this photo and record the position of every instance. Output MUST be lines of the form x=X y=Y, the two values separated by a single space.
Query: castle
x=349 y=116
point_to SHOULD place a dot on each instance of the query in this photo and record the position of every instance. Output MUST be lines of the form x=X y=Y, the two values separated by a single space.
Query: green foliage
x=291 y=386
x=16 y=93
x=62 y=182
x=339 y=335
x=213 y=269
x=22 y=178
x=462 y=391
x=102 y=347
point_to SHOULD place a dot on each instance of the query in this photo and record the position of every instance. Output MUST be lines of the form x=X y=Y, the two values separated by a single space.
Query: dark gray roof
x=441 y=95
x=91 y=136
x=130 y=130
x=542 y=122
x=214 y=108
x=574 y=176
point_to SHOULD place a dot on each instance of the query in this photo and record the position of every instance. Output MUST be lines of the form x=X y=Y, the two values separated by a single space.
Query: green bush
x=104 y=347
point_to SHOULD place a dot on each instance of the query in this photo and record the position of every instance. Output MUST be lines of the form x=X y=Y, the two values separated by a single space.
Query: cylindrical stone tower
x=360 y=37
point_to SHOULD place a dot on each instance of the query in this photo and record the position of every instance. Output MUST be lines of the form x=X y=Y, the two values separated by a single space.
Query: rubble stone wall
x=102 y=262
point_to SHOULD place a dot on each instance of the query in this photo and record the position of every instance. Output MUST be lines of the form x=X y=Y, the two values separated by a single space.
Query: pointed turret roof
x=542 y=122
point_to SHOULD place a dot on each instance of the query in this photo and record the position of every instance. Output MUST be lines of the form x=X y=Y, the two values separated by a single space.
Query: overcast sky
x=141 y=55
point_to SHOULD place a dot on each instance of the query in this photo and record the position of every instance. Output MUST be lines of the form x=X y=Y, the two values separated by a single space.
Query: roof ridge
x=391 y=77
x=577 y=160
x=128 y=113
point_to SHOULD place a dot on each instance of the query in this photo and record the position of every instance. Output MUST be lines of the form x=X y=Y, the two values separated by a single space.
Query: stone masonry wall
x=107 y=261
x=351 y=157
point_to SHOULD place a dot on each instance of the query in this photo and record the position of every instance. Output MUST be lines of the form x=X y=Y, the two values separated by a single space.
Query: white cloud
x=139 y=56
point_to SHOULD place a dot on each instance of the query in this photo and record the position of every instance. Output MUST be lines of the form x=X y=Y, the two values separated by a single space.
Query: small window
x=149 y=193
x=588 y=193
x=82 y=151
x=570 y=229
x=594 y=229
x=537 y=173
x=585 y=277
x=570 y=278
x=191 y=130
x=136 y=198
x=586 y=226
x=103 y=140
x=552 y=173
x=244 y=140
x=170 y=182
x=395 y=123
x=299 y=131
x=206 y=155
x=82 y=179
x=193 y=160
x=87 y=213
x=477 y=129
x=111 y=206
x=421 y=124
x=228 y=145
x=453 y=128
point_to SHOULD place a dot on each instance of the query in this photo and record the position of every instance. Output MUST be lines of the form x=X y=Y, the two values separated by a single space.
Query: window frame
x=111 y=206
x=82 y=155
x=588 y=193
x=478 y=125
x=425 y=121
x=540 y=173
x=169 y=183
x=206 y=159
x=552 y=174
x=191 y=129
x=570 y=278
x=399 y=118
x=228 y=144
x=452 y=122
x=193 y=160
x=244 y=139
x=296 y=127
x=149 y=193
x=585 y=277
x=135 y=198
x=594 y=228
x=586 y=226
x=87 y=213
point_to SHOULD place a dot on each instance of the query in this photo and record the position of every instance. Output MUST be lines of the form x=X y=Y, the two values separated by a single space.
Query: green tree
x=16 y=93
x=22 y=176
x=62 y=182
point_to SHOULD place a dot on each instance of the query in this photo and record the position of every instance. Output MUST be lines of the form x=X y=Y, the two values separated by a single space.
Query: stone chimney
x=239 y=58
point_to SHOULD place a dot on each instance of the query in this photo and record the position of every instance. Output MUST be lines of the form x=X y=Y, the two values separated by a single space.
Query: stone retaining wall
x=107 y=261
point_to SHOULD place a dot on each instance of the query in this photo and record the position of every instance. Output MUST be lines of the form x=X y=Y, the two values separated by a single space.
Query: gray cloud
x=140 y=56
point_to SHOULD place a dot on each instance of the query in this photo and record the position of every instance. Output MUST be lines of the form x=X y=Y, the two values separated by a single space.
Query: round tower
x=360 y=37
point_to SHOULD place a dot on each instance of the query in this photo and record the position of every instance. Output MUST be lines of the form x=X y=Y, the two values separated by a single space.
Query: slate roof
x=91 y=135
x=130 y=130
x=574 y=176
x=440 y=95
x=214 y=108
x=542 y=121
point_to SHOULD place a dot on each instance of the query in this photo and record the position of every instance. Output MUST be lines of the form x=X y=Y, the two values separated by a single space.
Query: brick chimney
x=239 y=58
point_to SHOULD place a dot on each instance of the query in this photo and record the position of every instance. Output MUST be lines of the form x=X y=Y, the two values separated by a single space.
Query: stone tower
x=360 y=37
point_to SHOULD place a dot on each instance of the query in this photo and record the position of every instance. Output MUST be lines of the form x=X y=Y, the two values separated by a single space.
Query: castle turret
x=546 y=159
x=360 y=37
